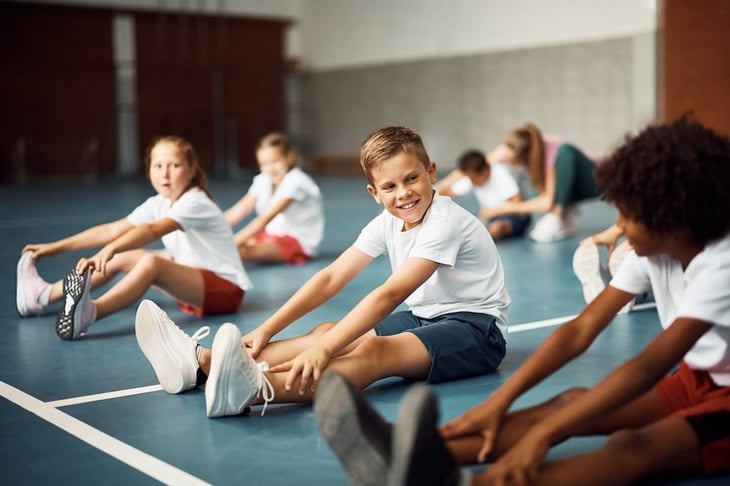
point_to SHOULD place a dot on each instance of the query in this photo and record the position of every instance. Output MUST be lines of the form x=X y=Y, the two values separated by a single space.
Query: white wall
x=337 y=33
x=331 y=34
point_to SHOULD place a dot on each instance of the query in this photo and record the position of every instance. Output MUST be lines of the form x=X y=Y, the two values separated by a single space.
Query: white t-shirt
x=500 y=187
x=702 y=291
x=469 y=278
x=205 y=241
x=303 y=219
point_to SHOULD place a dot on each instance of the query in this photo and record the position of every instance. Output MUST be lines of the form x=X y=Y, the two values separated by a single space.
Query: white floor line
x=143 y=462
x=538 y=324
x=104 y=396
x=153 y=388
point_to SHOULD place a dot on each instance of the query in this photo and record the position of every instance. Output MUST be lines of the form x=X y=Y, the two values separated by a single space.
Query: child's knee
x=321 y=329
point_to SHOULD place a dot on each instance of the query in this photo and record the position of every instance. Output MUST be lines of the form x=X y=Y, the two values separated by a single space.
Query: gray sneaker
x=169 y=350
x=358 y=435
x=77 y=313
x=235 y=379
x=419 y=454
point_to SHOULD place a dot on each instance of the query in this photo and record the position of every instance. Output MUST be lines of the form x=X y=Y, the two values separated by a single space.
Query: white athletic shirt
x=303 y=219
x=500 y=187
x=205 y=241
x=702 y=291
x=469 y=278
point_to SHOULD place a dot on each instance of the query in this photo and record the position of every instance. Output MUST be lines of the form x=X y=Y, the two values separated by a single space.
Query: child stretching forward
x=199 y=266
x=659 y=424
x=445 y=267
x=290 y=220
x=492 y=184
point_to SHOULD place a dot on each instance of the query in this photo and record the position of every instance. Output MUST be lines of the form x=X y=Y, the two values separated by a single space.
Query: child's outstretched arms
x=568 y=341
x=624 y=384
x=134 y=237
x=322 y=286
x=308 y=367
x=93 y=237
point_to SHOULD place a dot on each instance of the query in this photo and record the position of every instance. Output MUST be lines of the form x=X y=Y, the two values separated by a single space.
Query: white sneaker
x=235 y=379
x=28 y=287
x=614 y=262
x=78 y=311
x=169 y=350
x=587 y=267
x=550 y=228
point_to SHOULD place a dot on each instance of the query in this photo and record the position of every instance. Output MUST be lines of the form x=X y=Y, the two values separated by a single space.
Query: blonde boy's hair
x=388 y=142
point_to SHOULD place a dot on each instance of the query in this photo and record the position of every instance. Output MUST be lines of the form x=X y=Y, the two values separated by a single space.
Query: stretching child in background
x=492 y=184
x=289 y=225
x=445 y=267
x=561 y=174
x=677 y=424
x=199 y=267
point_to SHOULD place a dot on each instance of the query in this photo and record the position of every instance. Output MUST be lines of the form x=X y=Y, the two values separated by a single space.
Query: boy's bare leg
x=643 y=411
x=668 y=446
x=373 y=358
x=278 y=352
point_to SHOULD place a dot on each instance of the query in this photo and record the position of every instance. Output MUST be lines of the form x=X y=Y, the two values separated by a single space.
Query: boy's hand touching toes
x=307 y=368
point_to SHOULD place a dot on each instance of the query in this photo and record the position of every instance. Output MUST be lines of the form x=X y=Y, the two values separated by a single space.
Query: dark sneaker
x=76 y=315
x=355 y=432
x=419 y=455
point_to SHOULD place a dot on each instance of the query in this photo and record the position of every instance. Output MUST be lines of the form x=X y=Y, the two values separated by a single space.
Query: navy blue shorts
x=461 y=344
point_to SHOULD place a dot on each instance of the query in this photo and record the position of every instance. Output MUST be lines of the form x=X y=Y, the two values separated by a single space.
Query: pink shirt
x=551 y=145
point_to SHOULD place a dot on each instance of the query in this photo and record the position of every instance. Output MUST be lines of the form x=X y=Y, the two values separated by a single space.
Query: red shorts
x=221 y=296
x=706 y=406
x=289 y=248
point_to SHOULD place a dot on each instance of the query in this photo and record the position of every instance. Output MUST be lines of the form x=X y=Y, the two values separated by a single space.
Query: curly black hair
x=672 y=177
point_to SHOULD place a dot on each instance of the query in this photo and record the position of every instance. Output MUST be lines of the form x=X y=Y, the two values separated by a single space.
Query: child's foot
x=614 y=262
x=29 y=287
x=419 y=455
x=79 y=311
x=357 y=434
x=587 y=267
x=170 y=351
x=551 y=228
x=235 y=379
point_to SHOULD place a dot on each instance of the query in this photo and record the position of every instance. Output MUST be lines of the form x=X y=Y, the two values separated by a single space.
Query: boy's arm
x=626 y=383
x=565 y=343
x=260 y=222
x=321 y=287
x=308 y=366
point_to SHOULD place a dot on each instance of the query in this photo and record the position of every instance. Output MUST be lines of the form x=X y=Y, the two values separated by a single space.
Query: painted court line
x=538 y=324
x=125 y=453
x=104 y=396
x=153 y=388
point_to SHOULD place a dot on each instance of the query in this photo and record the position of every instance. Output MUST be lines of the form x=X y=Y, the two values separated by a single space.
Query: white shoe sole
x=226 y=347
x=20 y=297
x=587 y=267
x=161 y=354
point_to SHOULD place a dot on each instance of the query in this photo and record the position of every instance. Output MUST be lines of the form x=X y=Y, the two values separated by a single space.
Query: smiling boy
x=445 y=268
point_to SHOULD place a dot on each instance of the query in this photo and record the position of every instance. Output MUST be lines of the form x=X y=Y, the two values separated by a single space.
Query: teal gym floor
x=91 y=411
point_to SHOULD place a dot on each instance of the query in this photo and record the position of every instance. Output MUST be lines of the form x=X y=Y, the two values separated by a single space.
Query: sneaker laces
x=266 y=389
x=201 y=333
